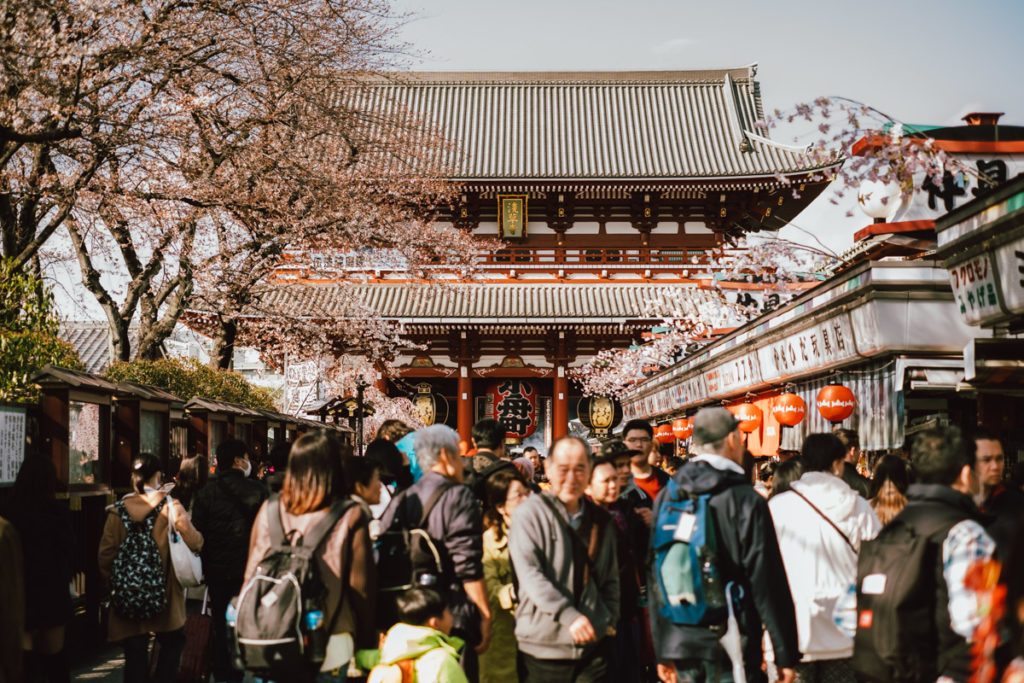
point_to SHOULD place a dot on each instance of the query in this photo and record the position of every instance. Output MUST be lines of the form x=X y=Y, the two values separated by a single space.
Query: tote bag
x=188 y=566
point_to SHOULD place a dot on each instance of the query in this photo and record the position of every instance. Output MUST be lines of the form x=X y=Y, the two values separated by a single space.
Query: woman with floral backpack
x=134 y=556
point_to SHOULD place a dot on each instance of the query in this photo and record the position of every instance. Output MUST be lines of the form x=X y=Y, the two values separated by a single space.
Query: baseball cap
x=615 y=448
x=713 y=424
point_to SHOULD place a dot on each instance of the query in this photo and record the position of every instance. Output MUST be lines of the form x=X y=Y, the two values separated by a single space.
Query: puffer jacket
x=820 y=565
x=224 y=511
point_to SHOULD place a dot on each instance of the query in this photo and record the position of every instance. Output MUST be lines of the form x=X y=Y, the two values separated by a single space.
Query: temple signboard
x=512 y=216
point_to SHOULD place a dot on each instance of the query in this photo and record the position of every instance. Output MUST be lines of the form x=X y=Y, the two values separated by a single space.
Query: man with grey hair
x=447 y=510
x=747 y=556
x=563 y=549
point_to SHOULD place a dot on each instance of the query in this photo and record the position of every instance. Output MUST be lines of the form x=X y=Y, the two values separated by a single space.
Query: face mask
x=248 y=468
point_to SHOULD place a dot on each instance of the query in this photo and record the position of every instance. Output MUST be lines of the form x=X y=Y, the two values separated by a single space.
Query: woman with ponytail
x=147 y=503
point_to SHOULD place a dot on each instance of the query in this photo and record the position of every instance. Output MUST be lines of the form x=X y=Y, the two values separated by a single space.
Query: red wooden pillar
x=560 y=404
x=465 y=404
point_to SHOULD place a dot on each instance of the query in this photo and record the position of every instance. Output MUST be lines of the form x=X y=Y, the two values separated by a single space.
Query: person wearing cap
x=631 y=496
x=748 y=556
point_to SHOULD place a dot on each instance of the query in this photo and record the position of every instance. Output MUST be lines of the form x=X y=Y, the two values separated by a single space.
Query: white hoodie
x=820 y=566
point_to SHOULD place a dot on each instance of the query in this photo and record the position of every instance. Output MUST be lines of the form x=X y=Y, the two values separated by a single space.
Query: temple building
x=609 y=191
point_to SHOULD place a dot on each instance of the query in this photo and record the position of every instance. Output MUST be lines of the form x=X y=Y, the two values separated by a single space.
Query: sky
x=919 y=62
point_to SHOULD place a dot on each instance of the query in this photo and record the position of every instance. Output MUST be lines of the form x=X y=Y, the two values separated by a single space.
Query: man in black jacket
x=851 y=447
x=223 y=512
x=748 y=555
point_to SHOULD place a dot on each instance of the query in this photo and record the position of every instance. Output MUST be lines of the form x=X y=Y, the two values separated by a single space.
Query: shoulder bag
x=188 y=566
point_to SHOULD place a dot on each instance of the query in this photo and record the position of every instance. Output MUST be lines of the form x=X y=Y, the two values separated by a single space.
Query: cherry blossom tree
x=188 y=160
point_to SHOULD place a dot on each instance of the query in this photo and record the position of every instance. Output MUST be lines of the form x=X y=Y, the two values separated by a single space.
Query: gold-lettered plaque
x=512 y=216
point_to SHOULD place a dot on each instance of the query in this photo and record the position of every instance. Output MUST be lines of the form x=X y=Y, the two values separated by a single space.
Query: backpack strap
x=826 y=518
x=149 y=521
x=581 y=549
x=431 y=503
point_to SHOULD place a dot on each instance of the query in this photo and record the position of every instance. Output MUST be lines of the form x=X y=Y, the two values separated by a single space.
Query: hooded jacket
x=820 y=566
x=436 y=655
x=749 y=556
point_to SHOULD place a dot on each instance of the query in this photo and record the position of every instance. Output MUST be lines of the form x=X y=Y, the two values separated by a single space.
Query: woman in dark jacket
x=44 y=525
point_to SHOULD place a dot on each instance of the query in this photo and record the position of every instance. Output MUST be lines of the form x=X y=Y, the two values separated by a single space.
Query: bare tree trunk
x=224 y=343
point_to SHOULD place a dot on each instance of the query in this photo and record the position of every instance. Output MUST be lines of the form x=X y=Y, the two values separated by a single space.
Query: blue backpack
x=688 y=588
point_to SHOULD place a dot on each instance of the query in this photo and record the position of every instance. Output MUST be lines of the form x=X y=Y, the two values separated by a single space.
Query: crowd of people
x=427 y=559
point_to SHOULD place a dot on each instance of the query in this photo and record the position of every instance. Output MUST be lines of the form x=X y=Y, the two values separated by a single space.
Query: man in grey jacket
x=563 y=552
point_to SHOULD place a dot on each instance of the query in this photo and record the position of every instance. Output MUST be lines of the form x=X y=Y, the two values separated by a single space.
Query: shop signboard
x=12 y=442
x=1010 y=266
x=974 y=287
x=820 y=346
x=738 y=374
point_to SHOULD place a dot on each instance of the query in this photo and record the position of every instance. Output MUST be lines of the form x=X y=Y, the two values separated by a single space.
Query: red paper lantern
x=789 y=410
x=836 y=403
x=514 y=403
x=663 y=433
x=682 y=428
x=749 y=415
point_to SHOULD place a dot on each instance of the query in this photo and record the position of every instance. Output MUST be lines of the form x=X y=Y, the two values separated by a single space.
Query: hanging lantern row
x=836 y=403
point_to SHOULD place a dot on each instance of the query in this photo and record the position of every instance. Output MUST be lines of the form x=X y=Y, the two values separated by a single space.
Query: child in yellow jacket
x=419 y=647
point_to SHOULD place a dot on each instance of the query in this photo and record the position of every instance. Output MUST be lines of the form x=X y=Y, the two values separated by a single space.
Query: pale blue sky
x=920 y=62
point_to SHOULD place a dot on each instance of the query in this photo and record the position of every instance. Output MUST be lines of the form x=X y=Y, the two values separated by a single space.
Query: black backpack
x=138 y=580
x=272 y=636
x=898 y=575
x=407 y=557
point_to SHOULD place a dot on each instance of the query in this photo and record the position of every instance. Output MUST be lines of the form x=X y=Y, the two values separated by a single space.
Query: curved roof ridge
x=611 y=76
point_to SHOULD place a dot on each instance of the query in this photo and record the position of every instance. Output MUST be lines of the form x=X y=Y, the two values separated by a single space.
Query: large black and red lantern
x=599 y=414
x=514 y=403
x=430 y=408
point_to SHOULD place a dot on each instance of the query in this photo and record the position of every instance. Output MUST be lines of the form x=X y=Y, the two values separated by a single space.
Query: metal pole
x=360 y=386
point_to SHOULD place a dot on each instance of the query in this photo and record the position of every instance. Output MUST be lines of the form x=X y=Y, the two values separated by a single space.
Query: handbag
x=196 y=657
x=188 y=566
